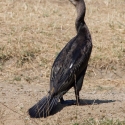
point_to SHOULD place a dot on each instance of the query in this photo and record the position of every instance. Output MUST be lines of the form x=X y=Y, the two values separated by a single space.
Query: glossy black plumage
x=69 y=67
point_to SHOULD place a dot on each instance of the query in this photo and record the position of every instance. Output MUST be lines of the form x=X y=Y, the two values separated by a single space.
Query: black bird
x=69 y=67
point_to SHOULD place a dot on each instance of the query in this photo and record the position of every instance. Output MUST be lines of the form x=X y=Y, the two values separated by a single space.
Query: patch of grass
x=17 y=78
x=32 y=29
x=27 y=56
x=28 y=79
x=101 y=88
x=4 y=56
x=75 y=124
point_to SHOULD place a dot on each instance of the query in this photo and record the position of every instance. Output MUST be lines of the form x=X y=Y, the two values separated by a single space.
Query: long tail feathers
x=44 y=107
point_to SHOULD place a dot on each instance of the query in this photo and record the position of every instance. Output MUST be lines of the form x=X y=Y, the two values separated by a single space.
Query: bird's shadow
x=60 y=106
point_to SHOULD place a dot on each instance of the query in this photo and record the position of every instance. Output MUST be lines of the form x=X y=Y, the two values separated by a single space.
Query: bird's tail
x=44 y=107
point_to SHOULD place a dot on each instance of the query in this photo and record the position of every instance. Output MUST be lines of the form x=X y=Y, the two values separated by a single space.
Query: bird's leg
x=61 y=100
x=67 y=102
x=76 y=92
x=77 y=95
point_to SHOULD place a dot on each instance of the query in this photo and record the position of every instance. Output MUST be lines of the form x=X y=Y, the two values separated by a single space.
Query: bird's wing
x=68 y=63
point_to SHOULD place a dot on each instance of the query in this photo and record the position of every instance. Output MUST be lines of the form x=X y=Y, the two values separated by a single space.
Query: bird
x=69 y=67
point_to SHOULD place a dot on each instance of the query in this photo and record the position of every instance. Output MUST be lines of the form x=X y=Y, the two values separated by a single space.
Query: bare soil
x=100 y=98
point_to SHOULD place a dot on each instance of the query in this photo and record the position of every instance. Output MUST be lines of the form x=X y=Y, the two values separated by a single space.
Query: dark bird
x=69 y=67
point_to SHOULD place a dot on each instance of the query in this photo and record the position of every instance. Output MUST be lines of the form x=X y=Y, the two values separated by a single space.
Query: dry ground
x=31 y=35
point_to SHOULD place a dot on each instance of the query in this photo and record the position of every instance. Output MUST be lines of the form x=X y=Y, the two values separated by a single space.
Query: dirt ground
x=29 y=44
x=100 y=98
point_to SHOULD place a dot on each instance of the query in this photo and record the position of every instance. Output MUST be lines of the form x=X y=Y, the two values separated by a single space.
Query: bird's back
x=71 y=61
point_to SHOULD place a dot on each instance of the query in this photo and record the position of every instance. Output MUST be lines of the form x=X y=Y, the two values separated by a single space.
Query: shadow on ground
x=60 y=106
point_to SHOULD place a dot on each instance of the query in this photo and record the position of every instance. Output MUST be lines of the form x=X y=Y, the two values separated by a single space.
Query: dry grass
x=32 y=33
x=35 y=31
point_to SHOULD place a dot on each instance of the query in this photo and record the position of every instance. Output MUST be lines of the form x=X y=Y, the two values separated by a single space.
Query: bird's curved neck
x=81 y=9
